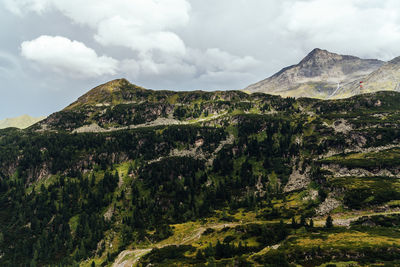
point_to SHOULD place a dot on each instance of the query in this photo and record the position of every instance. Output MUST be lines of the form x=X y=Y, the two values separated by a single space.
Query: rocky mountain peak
x=105 y=93
x=319 y=54
x=322 y=57
x=111 y=86
x=320 y=74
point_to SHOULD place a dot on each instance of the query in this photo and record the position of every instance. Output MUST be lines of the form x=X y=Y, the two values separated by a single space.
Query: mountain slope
x=21 y=122
x=318 y=75
x=385 y=78
x=119 y=104
x=222 y=178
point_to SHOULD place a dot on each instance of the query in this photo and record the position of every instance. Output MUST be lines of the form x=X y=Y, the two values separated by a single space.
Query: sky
x=53 y=51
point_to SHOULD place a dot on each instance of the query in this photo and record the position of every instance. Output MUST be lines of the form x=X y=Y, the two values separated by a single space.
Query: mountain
x=21 y=122
x=119 y=104
x=319 y=75
x=127 y=176
x=385 y=78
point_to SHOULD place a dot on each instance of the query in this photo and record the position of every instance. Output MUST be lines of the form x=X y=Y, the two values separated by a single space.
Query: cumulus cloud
x=21 y=7
x=364 y=27
x=212 y=69
x=148 y=29
x=217 y=60
x=142 y=25
x=190 y=43
x=280 y=33
x=69 y=57
x=147 y=67
x=128 y=33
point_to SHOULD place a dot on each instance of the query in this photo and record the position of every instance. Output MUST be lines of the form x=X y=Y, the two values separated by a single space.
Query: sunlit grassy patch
x=345 y=239
x=385 y=158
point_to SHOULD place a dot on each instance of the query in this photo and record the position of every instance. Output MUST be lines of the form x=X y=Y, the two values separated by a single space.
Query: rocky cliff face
x=385 y=78
x=320 y=74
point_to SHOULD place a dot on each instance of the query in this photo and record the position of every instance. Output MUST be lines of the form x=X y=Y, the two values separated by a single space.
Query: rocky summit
x=321 y=74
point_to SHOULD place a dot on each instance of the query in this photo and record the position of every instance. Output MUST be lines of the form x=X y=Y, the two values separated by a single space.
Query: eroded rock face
x=341 y=171
x=312 y=195
x=341 y=126
x=327 y=206
x=109 y=213
x=297 y=180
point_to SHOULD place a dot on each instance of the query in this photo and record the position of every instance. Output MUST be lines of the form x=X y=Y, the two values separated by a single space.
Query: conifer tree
x=199 y=255
x=329 y=222
x=92 y=180
x=294 y=223
x=302 y=220
x=211 y=262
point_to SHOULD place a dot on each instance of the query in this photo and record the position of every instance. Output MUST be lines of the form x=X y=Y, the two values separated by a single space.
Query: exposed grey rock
x=340 y=171
x=312 y=195
x=327 y=206
x=386 y=77
x=320 y=74
x=297 y=180
x=109 y=213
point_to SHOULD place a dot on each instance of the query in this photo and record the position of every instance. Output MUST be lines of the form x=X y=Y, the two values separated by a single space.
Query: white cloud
x=142 y=25
x=364 y=27
x=188 y=44
x=147 y=68
x=216 y=60
x=147 y=27
x=72 y=58
x=212 y=68
x=118 y=31
x=21 y=7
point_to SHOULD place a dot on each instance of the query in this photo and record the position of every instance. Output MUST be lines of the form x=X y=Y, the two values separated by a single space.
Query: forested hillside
x=138 y=177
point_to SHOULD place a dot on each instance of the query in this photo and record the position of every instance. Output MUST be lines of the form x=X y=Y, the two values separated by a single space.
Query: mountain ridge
x=237 y=180
x=104 y=93
x=318 y=75
x=21 y=122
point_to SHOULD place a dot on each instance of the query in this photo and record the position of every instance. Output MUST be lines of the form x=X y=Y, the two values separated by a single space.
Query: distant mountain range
x=326 y=75
x=21 y=122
